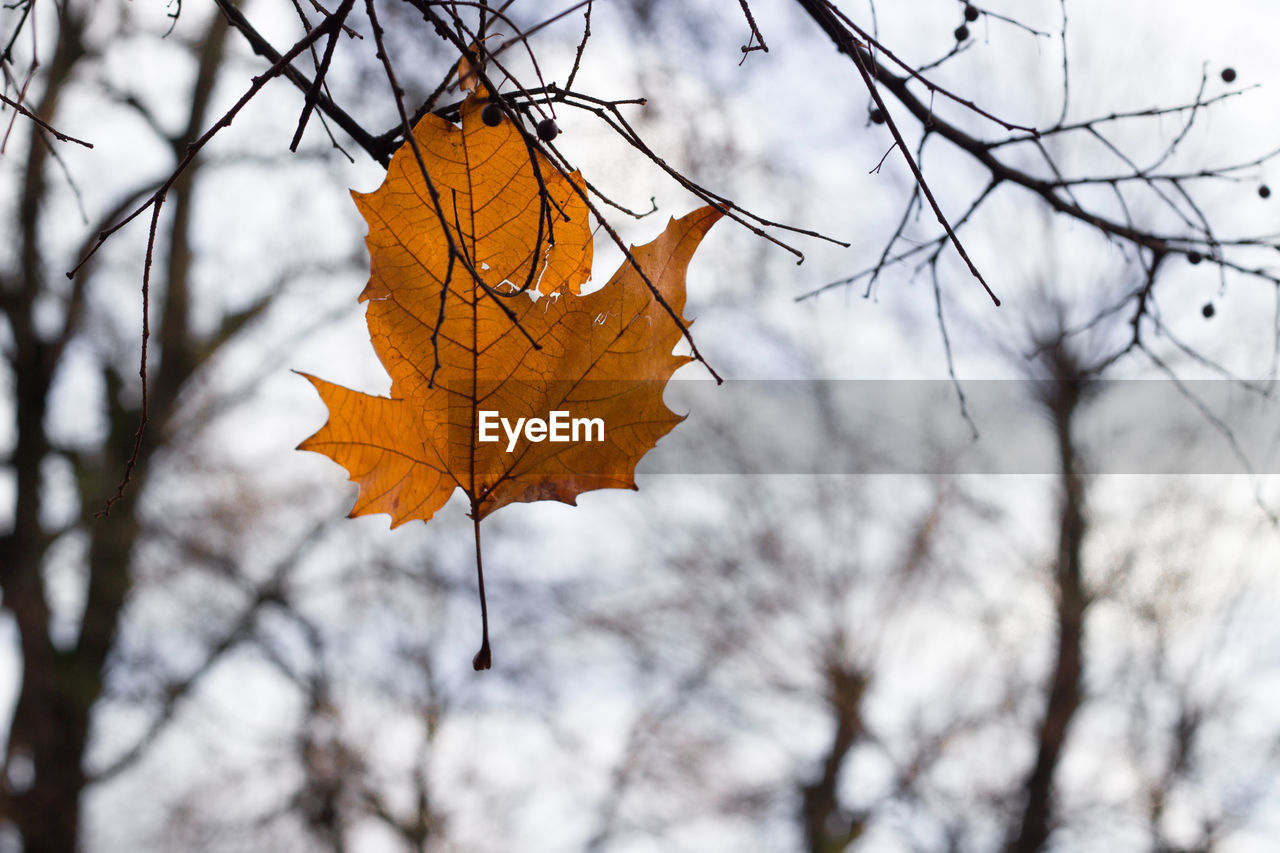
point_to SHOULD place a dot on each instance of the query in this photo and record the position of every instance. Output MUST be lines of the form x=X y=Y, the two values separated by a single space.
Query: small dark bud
x=961 y=33
x=877 y=115
x=1264 y=191
x=970 y=12
x=1228 y=75
x=491 y=114
x=547 y=129
x=1208 y=310
x=1194 y=257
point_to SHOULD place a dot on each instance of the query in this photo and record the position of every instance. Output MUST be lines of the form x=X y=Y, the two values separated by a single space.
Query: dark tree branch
x=378 y=149
x=832 y=24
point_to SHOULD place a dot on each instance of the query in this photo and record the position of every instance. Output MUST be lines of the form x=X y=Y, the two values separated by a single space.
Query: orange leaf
x=605 y=356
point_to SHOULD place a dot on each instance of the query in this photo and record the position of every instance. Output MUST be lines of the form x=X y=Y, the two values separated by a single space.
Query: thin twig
x=932 y=87
x=318 y=83
x=194 y=148
x=582 y=45
x=755 y=33
x=132 y=461
x=59 y=135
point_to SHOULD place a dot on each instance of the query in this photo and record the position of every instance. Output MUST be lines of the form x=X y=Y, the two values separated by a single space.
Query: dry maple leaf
x=466 y=349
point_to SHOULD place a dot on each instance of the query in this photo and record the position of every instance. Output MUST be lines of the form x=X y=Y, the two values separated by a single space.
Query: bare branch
x=59 y=135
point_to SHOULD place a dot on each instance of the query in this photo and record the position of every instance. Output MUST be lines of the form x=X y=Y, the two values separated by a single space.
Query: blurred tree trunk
x=44 y=760
x=1061 y=396
x=43 y=776
x=828 y=828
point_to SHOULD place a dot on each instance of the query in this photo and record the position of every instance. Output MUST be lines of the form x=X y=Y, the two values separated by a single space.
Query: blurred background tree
x=220 y=662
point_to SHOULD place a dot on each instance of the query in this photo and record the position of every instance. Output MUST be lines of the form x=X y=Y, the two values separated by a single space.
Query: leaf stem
x=483 y=658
